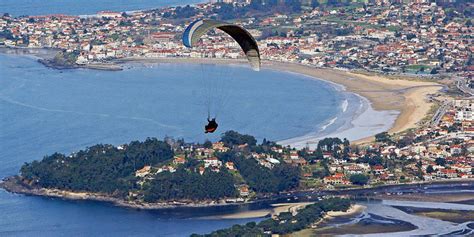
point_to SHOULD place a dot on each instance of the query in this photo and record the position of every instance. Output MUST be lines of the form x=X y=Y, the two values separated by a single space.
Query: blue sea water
x=82 y=7
x=43 y=110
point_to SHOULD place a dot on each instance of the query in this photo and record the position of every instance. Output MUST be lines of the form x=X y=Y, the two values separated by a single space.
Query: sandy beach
x=408 y=97
x=274 y=211
x=289 y=207
x=406 y=101
x=354 y=209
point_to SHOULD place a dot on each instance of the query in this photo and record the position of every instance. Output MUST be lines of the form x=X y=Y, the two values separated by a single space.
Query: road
x=461 y=84
x=439 y=113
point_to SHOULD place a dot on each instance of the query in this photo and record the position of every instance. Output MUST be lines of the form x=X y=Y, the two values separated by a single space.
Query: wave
x=344 y=105
x=331 y=122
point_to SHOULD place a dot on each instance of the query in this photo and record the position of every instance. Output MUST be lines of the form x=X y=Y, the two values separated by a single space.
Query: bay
x=43 y=111
x=82 y=7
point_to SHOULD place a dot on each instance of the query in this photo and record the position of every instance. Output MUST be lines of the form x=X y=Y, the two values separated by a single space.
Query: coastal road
x=439 y=113
x=461 y=84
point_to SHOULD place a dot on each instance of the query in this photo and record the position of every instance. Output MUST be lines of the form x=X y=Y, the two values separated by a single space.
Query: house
x=335 y=168
x=265 y=163
x=219 y=147
x=273 y=161
x=455 y=149
x=448 y=173
x=296 y=162
x=337 y=178
x=294 y=155
x=179 y=160
x=167 y=168
x=462 y=168
x=230 y=165
x=277 y=149
x=378 y=169
x=109 y=14
x=143 y=171
x=201 y=170
x=244 y=191
x=212 y=161
x=205 y=152
x=354 y=169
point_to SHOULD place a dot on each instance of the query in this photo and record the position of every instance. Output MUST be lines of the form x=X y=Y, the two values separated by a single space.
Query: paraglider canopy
x=246 y=41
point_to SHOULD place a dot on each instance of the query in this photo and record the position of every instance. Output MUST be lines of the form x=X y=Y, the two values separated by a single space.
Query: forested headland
x=154 y=171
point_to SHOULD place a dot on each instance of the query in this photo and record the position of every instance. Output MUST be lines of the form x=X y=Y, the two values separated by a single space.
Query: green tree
x=233 y=138
x=185 y=184
x=359 y=179
x=429 y=169
x=100 y=168
x=382 y=137
x=207 y=144
x=440 y=161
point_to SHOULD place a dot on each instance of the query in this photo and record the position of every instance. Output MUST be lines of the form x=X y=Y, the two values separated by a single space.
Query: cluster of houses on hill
x=440 y=152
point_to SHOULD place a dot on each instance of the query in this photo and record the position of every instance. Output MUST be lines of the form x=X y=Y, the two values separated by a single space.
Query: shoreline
x=354 y=209
x=406 y=98
x=403 y=103
x=45 y=56
x=14 y=184
x=391 y=105
x=86 y=15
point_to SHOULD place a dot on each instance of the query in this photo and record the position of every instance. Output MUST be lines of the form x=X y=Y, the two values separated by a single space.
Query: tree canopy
x=359 y=179
x=184 y=184
x=233 y=138
x=100 y=168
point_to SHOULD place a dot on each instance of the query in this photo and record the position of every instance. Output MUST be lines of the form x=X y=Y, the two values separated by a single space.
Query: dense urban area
x=422 y=38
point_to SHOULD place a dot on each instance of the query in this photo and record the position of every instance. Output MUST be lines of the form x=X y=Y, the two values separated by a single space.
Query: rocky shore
x=15 y=184
x=48 y=57
x=95 y=66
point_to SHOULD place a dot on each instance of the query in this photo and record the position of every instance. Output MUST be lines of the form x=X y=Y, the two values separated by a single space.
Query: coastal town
x=420 y=39
x=441 y=152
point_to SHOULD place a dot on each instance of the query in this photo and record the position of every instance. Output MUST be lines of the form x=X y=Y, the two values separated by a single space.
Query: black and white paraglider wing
x=246 y=41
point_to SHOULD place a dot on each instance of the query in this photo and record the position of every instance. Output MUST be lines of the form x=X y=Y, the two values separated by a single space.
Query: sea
x=83 y=7
x=44 y=110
